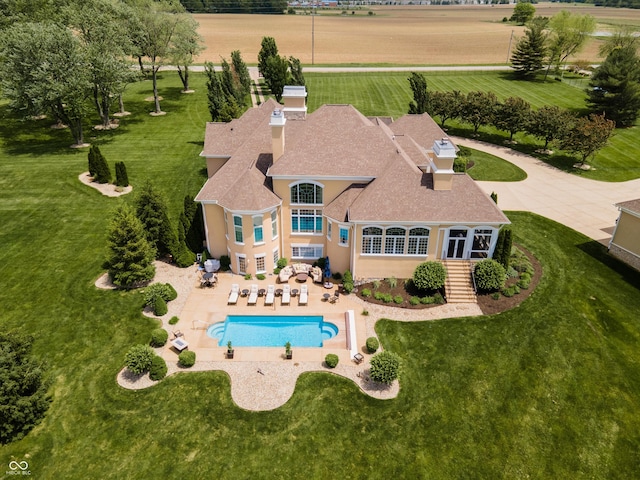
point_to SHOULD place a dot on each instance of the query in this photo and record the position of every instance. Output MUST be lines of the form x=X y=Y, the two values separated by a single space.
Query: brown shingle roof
x=631 y=205
x=422 y=128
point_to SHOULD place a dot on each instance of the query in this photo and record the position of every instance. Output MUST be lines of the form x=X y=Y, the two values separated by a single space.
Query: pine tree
x=102 y=173
x=91 y=159
x=130 y=259
x=153 y=212
x=122 y=179
x=530 y=52
x=615 y=87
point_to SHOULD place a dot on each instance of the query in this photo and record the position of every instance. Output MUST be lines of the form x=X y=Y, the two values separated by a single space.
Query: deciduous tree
x=420 y=103
x=523 y=12
x=588 y=135
x=277 y=75
x=512 y=115
x=185 y=45
x=549 y=123
x=241 y=74
x=478 y=108
x=445 y=105
x=268 y=49
x=569 y=32
x=297 y=77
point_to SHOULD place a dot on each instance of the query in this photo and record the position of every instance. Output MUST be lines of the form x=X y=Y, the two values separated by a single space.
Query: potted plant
x=287 y=351
x=229 y=350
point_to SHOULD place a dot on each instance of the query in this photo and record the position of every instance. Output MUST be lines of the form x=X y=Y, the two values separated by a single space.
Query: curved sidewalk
x=580 y=203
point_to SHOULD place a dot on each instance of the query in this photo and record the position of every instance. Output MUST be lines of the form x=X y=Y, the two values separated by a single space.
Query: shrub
x=460 y=165
x=321 y=262
x=438 y=299
x=495 y=295
x=225 y=263
x=348 y=277
x=182 y=256
x=523 y=284
x=512 y=272
x=378 y=295
x=365 y=313
x=171 y=293
x=385 y=367
x=187 y=359
x=260 y=276
x=336 y=276
x=159 y=337
x=429 y=276
x=138 y=359
x=376 y=284
x=174 y=320
x=372 y=344
x=122 y=179
x=276 y=271
x=158 y=368
x=366 y=293
x=393 y=282
x=489 y=275
x=348 y=287
x=414 y=300
x=159 y=290
x=160 y=307
x=387 y=298
x=507 y=292
x=282 y=262
x=427 y=300
x=398 y=299
x=331 y=360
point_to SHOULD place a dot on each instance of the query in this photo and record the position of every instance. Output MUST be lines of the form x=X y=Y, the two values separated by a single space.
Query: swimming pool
x=272 y=330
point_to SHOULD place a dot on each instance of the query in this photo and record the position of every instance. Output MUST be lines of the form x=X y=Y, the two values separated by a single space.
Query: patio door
x=456 y=244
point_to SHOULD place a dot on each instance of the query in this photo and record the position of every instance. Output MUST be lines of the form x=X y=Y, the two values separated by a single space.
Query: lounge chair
x=253 y=295
x=304 y=294
x=286 y=295
x=233 y=296
x=335 y=298
x=268 y=300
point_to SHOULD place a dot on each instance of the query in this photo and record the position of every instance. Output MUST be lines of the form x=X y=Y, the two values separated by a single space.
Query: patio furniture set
x=302 y=272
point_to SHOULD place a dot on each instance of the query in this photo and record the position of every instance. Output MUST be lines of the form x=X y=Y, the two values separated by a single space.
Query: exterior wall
x=339 y=255
x=215 y=235
x=442 y=181
x=214 y=164
x=627 y=233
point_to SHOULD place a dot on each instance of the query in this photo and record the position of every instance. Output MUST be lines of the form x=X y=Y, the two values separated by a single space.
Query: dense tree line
x=235 y=6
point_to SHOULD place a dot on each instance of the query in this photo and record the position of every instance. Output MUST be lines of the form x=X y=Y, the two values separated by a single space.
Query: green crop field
x=550 y=389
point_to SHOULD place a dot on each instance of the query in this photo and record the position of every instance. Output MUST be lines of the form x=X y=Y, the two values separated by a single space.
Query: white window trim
x=226 y=225
x=274 y=222
x=300 y=182
x=329 y=227
x=428 y=237
x=315 y=216
x=253 y=225
x=343 y=227
x=307 y=245
x=264 y=259
x=276 y=251
x=246 y=264
x=363 y=236
x=241 y=230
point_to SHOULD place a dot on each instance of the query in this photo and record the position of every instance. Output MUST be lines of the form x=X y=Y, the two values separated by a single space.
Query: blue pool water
x=272 y=330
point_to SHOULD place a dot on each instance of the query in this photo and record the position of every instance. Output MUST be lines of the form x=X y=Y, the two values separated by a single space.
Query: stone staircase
x=459 y=285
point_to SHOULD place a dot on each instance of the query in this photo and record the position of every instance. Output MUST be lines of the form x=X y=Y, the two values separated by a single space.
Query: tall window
x=481 y=242
x=260 y=264
x=344 y=236
x=418 y=241
x=237 y=225
x=276 y=257
x=226 y=225
x=274 y=224
x=258 y=236
x=394 y=241
x=242 y=264
x=329 y=225
x=306 y=193
x=306 y=220
x=372 y=240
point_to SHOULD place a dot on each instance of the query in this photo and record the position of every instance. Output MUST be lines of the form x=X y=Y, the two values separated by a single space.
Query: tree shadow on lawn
x=599 y=252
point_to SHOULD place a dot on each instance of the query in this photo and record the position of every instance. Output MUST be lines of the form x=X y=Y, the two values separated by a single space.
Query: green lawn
x=388 y=93
x=548 y=390
x=489 y=168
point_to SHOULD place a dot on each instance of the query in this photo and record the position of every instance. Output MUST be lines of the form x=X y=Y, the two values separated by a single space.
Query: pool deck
x=261 y=377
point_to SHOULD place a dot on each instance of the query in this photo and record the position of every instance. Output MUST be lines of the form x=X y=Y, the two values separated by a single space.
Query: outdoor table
x=208 y=276
x=326 y=296
x=261 y=292
x=180 y=344
x=302 y=277
x=278 y=292
x=245 y=292
x=294 y=292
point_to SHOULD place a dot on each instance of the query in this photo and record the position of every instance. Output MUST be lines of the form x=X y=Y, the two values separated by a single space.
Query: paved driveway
x=580 y=203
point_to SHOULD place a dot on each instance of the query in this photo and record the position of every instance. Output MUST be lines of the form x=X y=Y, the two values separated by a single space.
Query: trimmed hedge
x=331 y=360
x=372 y=344
x=187 y=359
x=158 y=369
x=429 y=276
x=385 y=367
x=160 y=307
x=159 y=337
x=490 y=275
x=138 y=359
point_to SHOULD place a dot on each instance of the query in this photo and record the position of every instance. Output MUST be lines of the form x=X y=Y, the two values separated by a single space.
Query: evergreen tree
x=222 y=106
x=192 y=224
x=420 y=103
x=23 y=387
x=512 y=116
x=530 y=52
x=130 y=259
x=153 y=212
x=102 y=170
x=615 y=87
x=122 y=179
x=268 y=49
x=91 y=159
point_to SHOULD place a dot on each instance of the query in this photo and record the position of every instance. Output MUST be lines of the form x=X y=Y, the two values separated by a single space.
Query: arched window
x=372 y=240
x=394 y=241
x=418 y=241
x=306 y=193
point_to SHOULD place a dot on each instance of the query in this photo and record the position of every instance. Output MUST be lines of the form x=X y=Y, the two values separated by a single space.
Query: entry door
x=456 y=245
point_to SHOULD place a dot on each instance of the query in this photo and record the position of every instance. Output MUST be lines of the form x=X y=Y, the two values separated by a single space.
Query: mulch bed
x=487 y=304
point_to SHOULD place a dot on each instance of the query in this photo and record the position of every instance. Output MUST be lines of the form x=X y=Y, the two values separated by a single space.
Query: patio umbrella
x=327 y=268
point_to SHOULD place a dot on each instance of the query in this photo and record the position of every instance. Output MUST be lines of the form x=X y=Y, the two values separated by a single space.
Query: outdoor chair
x=253 y=295
x=268 y=300
x=286 y=295
x=233 y=295
x=304 y=295
x=335 y=298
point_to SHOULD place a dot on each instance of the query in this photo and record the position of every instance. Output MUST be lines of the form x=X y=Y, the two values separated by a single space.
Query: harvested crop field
x=402 y=35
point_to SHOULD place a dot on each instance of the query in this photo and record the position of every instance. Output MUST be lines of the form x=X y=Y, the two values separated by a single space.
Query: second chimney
x=277 y=133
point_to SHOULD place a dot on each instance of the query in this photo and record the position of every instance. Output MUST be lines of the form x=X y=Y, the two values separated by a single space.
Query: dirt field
x=409 y=35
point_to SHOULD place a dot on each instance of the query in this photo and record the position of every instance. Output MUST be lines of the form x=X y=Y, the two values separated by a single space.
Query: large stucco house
x=376 y=196
x=625 y=241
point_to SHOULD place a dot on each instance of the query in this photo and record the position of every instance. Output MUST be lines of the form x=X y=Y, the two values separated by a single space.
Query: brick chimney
x=442 y=164
x=277 y=123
